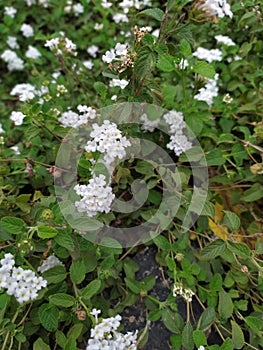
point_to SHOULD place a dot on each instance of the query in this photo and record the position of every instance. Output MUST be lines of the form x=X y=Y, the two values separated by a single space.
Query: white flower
x=97 y=196
x=50 y=262
x=92 y=50
x=121 y=49
x=25 y=92
x=27 y=30
x=15 y=149
x=23 y=284
x=209 y=91
x=98 y=26
x=106 y=4
x=2 y=131
x=186 y=293
x=109 y=56
x=17 y=117
x=120 y=17
x=225 y=40
x=88 y=64
x=13 y=61
x=12 y=42
x=227 y=99
x=10 y=11
x=218 y=8
x=32 y=52
x=121 y=83
x=149 y=125
x=78 y=9
x=208 y=55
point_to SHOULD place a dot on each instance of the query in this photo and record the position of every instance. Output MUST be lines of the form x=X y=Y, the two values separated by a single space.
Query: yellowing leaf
x=219 y=230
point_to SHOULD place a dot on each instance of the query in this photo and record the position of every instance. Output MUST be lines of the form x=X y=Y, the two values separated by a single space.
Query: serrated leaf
x=187 y=337
x=237 y=336
x=227 y=345
x=185 y=48
x=162 y=242
x=205 y=69
x=214 y=249
x=254 y=323
x=91 y=289
x=12 y=224
x=239 y=249
x=77 y=271
x=253 y=194
x=75 y=331
x=62 y=299
x=101 y=88
x=48 y=315
x=144 y=63
x=225 y=304
x=133 y=285
x=46 y=231
x=231 y=220
x=206 y=319
x=153 y=13
x=64 y=240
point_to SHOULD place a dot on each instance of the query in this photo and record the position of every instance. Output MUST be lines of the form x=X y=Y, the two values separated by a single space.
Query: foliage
x=218 y=256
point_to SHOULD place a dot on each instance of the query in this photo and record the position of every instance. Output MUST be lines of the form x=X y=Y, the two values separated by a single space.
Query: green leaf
x=208 y=209
x=216 y=283
x=144 y=63
x=239 y=249
x=91 y=289
x=155 y=315
x=237 y=336
x=12 y=224
x=162 y=242
x=231 y=220
x=185 y=48
x=56 y=274
x=166 y=63
x=253 y=194
x=214 y=249
x=172 y=321
x=46 y=231
x=48 y=315
x=77 y=271
x=255 y=324
x=86 y=224
x=101 y=88
x=227 y=345
x=215 y=157
x=40 y=345
x=61 y=299
x=206 y=319
x=133 y=285
x=64 y=240
x=199 y=338
x=75 y=331
x=225 y=305
x=205 y=69
x=187 y=337
x=61 y=338
x=153 y=13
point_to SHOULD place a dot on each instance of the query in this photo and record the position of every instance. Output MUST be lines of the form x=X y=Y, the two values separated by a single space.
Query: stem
x=144 y=332
x=188 y=311
x=8 y=333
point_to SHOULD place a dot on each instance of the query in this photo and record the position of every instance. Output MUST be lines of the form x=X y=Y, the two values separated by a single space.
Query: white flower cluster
x=179 y=143
x=92 y=50
x=43 y=3
x=127 y=4
x=122 y=83
x=77 y=9
x=61 y=45
x=209 y=91
x=10 y=11
x=218 y=8
x=32 y=52
x=224 y=40
x=108 y=140
x=105 y=335
x=27 y=92
x=119 y=53
x=17 y=117
x=27 y=30
x=183 y=292
x=12 y=42
x=74 y=119
x=97 y=196
x=23 y=284
x=147 y=124
x=50 y=262
x=12 y=60
x=208 y=55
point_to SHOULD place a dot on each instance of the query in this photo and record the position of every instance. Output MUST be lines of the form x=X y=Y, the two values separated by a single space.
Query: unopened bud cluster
x=183 y=292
